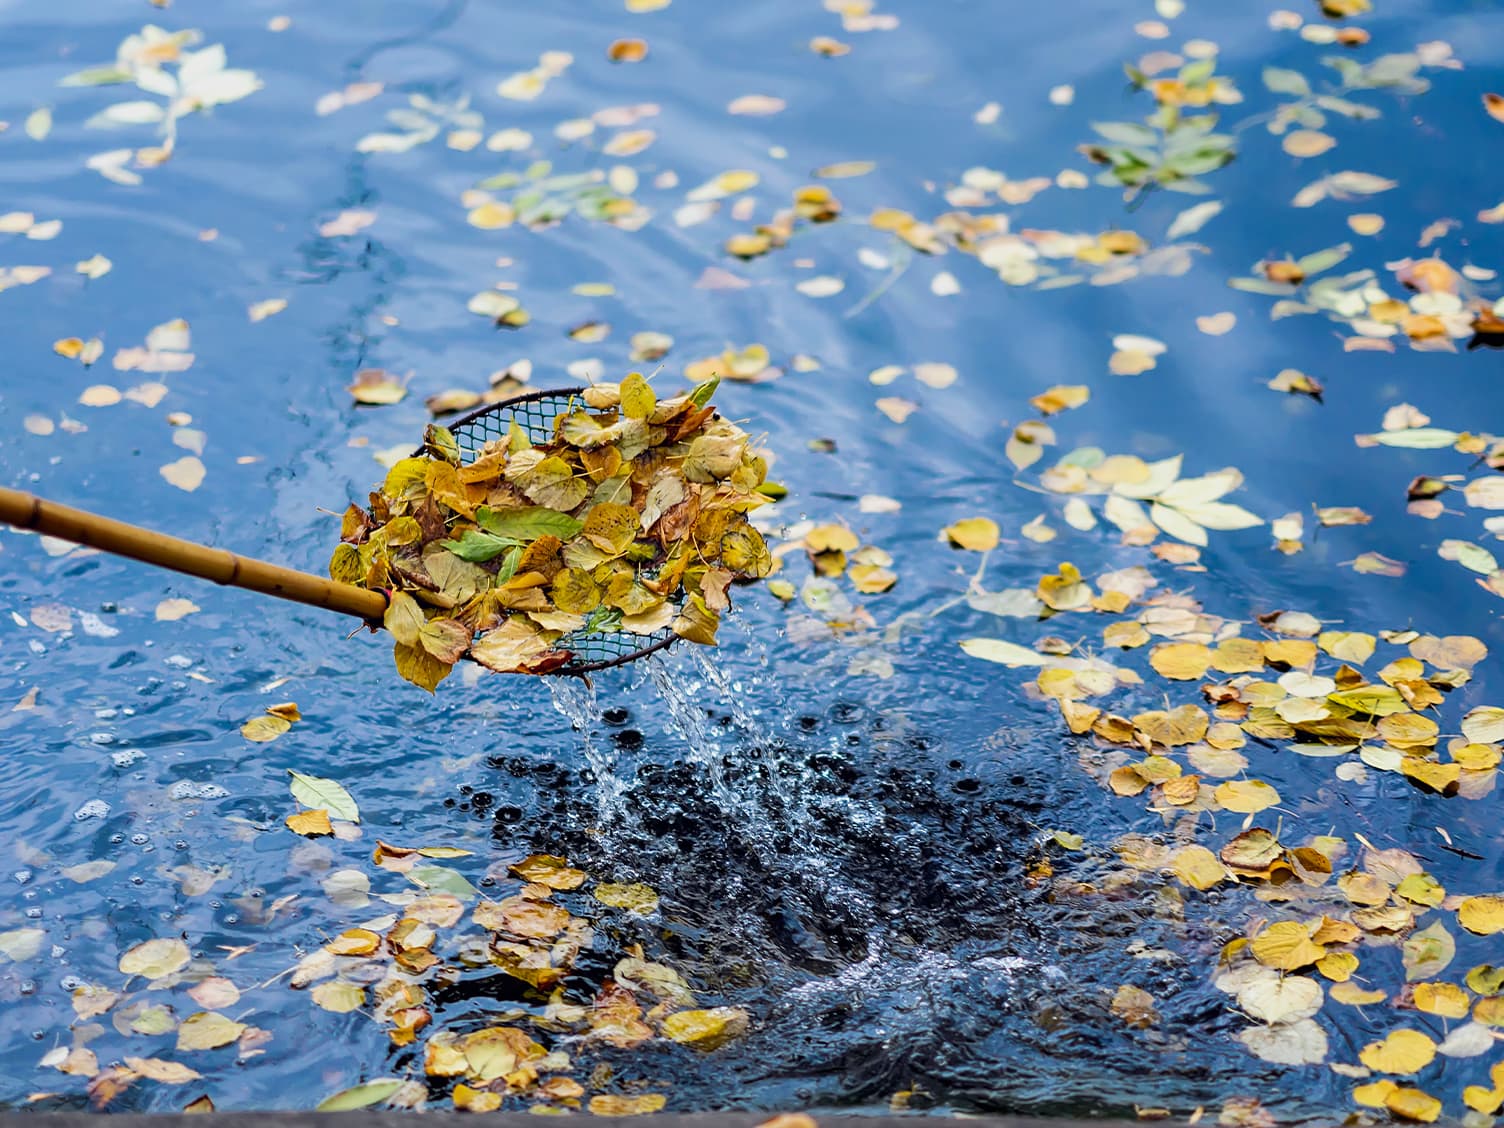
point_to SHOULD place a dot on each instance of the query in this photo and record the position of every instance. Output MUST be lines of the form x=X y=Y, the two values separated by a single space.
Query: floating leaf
x=155 y=958
x=312 y=791
x=360 y=1096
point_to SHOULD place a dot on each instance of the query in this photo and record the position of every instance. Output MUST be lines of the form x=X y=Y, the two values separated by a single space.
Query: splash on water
x=575 y=699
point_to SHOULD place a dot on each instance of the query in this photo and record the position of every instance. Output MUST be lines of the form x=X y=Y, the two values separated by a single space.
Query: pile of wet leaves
x=631 y=517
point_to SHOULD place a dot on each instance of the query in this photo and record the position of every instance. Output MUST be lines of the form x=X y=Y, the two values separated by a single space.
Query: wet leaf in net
x=403 y=618
x=514 y=646
x=419 y=667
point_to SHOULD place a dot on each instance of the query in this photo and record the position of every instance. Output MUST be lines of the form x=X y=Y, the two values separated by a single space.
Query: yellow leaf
x=155 y=958
x=870 y=579
x=1181 y=661
x=265 y=728
x=171 y=610
x=1350 y=994
x=310 y=823
x=1374 y=1094
x=609 y=1104
x=1337 y=966
x=1286 y=945
x=975 y=534
x=339 y=996
x=1246 y=796
x=1134 y=1006
x=469 y=1099
x=186 y=473
x=260 y=311
x=420 y=667
x=1483 y=916
x=706 y=1029
x=637 y=397
x=207 y=1031
x=354 y=942
x=1403 y=1051
x=491 y=215
x=1444 y=999
x=1413 y=1104
x=634 y=898
x=1060 y=397
x=550 y=870
x=167 y=1072
x=377 y=387
x=1198 y=867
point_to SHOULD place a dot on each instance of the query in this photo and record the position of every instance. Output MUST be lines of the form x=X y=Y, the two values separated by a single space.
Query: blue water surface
x=845 y=827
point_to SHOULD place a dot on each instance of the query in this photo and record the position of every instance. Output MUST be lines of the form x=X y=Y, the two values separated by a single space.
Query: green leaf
x=509 y=564
x=441 y=443
x=360 y=1096
x=1261 y=286
x=1317 y=261
x=314 y=793
x=1193 y=219
x=477 y=547
x=1346 y=109
x=97 y=76
x=1199 y=71
x=1221 y=515
x=701 y=394
x=1004 y=653
x=441 y=879
x=1417 y=438
x=1283 y=81
x=1471 y=556
x=1359 y=183
x=528 y=523
x=1126 y=132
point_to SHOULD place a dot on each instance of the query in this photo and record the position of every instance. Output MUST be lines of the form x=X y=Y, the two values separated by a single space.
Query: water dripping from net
x=575 y=699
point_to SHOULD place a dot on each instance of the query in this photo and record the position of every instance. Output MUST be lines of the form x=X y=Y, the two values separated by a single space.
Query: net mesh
x=535 y=414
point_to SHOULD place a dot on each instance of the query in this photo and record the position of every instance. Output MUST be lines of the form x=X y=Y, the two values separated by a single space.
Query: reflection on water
x=848 y=822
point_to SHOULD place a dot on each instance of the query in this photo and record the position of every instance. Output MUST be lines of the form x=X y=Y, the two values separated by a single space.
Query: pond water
x=858 y=833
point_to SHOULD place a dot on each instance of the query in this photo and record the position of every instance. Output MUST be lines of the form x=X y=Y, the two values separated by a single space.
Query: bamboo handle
x=26 y=511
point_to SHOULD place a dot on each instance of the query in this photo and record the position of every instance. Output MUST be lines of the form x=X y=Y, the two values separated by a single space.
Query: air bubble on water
x=191 y=789
x=139 y=839
x=126 y=757
x=93 y=809
x=178 y=661
x=106 y=714
x=36 y=648
x=22 y=876
x=71 y=983
x=102 y=738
